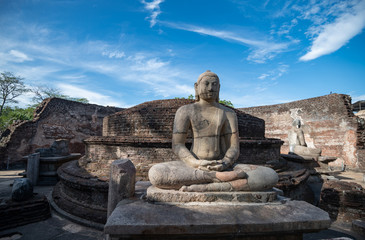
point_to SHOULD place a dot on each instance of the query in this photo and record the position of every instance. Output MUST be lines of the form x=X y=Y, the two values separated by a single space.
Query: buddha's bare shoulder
x=189 y=108
x=227 y=110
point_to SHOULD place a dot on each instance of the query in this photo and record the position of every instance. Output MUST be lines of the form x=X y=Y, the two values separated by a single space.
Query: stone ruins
x=109 y=188
x=53 y=119
x=205 y=192
x=328 y=122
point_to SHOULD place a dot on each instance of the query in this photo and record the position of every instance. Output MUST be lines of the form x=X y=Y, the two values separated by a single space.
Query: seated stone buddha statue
x=297 y=143
x=210 y=164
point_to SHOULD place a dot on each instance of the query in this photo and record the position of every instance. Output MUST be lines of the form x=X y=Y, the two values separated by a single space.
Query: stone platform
x=139 y=219
x=81 y=194
x=155 y=194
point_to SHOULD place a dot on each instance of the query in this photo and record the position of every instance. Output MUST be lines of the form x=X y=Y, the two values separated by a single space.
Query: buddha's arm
x=180 y=132
x=301 y=139
x=231 y=138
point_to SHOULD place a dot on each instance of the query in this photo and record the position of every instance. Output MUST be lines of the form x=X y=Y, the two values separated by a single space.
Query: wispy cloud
x=14 y=56
x=250 y=100
x=113 y=54
x=154 y=8
x=141 y=74
x=92 y=96
x=357 y=98
x=270 y=78
x=328 y=37
x=19 y=56
x=260 y=50
x=276 y=73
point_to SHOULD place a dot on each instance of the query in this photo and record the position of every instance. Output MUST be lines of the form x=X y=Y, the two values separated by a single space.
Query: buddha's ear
x=196 y=91
x=219 y=88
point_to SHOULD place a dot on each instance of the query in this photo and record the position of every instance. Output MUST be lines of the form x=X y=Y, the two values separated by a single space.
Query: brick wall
x=328 y=121
x=54 y=119
x=155 y=119
x=143 y=134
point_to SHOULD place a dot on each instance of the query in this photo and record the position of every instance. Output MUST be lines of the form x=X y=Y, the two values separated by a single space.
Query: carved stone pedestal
x=139 y=219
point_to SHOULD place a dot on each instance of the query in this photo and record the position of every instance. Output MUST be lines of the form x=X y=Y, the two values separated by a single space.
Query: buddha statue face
x=207 y=87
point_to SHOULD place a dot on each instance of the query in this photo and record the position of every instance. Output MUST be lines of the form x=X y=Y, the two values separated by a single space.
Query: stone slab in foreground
x=138 y=219
x=155 y=194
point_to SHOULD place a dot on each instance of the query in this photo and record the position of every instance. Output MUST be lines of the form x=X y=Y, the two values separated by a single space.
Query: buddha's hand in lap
x=212 y=165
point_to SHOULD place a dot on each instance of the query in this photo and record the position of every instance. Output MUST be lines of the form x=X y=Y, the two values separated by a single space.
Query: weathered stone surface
x=138 y=218
x=121 y=182
x=33 y=168
x=80 y=193
x=15 y=213
x=161 y=195
x=330 y=123
x=210 y=164
x=22 y=190
x=343 y=200
x=58 y=148
x=145 y=152
x=54 y=119
x=297 y=143
x=297 y=158
x=359 y=226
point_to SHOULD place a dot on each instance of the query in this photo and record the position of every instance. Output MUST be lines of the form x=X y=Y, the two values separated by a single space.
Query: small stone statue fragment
x=297 y=143
x=22 y=189
x=210 y=164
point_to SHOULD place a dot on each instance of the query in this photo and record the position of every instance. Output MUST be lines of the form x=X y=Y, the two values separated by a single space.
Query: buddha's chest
x=208 y=122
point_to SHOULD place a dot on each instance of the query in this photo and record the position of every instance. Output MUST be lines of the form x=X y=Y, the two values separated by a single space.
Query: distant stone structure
x=53 y=119
x=330 y=126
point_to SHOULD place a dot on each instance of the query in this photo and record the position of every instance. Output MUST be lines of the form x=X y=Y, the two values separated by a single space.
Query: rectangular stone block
x=140 y=219
x=33 y=168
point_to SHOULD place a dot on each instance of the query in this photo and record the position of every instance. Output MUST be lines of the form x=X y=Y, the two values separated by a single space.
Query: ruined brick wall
x=328 y=121
x=155 y=119
x=54 y=119
x=143 y=134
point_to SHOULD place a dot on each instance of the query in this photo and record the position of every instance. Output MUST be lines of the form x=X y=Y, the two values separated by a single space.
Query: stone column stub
x=121 y=182
x=33 y=168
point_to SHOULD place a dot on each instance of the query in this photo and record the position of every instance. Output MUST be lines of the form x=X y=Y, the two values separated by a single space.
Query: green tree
x=225 y=102
x=11 y=87
x=42 y=93
x=12 y=114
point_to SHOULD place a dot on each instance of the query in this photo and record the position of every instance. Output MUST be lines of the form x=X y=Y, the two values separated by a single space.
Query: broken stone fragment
x=22 y=189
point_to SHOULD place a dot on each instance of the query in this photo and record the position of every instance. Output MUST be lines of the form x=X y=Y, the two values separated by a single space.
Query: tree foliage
x=12 y=114
x=43 y=92
x=11 y=87
x=224 y=102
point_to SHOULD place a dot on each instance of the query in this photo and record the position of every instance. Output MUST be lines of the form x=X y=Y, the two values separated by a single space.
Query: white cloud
x=19 y=56
x=93 y=97
x=261 y=50
x=269 y=79
x=252 y=100
x=263 y=76
x=330 y=37
x=357 y=98
x=154 y=8
x=113 y=54
x=13 y=56
x=152 y=64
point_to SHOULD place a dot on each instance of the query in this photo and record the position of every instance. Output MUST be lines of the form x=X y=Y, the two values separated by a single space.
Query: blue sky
x=122 y=53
